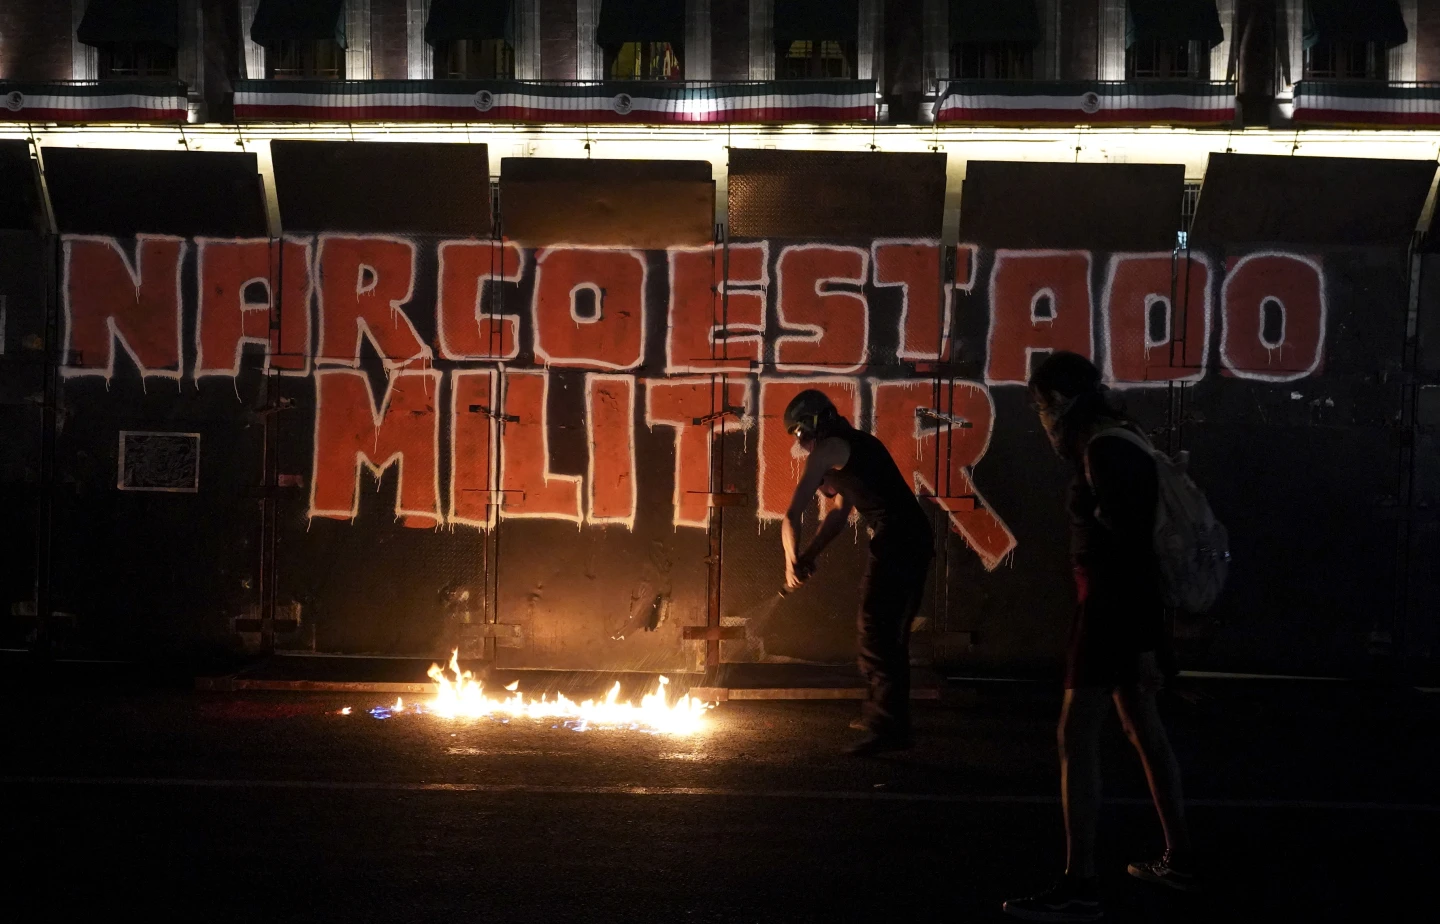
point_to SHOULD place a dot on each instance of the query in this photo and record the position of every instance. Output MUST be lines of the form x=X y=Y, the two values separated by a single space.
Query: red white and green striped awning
x=1367 y=104
x=101 y=101
x=1034 y=102
x=645 y=102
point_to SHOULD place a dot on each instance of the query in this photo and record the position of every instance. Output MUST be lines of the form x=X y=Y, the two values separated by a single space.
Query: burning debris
x=462 y=696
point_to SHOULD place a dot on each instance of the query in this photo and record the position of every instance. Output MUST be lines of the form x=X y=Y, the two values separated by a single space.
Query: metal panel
x=383 y=187
x=1122 y=207
x=613 y=594
x=124 y=193
x=804 y=195
x=645 y=204
x=20 y=205
x=25 y=271
x=1254 y=199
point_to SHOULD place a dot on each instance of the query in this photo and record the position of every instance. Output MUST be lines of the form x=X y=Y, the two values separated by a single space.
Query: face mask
x=1051 y=414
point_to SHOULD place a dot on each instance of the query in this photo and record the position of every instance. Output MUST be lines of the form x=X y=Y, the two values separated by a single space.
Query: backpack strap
x=1125 y=433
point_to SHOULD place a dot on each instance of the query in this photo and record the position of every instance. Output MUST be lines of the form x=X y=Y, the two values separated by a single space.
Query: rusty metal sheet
x=1257 y=199
x=124 y=193
x=361 y=186
x=835 y=194
x=20 y=205
x=644 y=204
x=1118 y=207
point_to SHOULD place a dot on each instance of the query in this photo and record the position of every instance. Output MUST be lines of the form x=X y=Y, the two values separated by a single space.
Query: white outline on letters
x=749 y=333
x=483 y=286
x=377 y=469
x=1107 y=332
x=584 y=362
x=1000 y=257
x=136 y=274
x=1324 y=319
x=723 y=381
x=544 y=424
x=492 y=430
x=816 y=333
x=362 y=326
x=591 y=378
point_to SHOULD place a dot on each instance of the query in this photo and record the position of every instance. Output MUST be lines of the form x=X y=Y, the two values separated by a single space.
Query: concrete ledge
x=232 y=684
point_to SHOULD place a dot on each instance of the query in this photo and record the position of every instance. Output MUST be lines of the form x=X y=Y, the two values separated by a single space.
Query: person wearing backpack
x=1118 y=650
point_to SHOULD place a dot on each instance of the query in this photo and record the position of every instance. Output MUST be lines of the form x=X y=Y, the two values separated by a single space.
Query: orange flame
x=464 y=697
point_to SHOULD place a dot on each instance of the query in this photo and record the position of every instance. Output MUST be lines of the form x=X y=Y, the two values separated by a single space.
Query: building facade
x=1218 y=63
x=392 y=326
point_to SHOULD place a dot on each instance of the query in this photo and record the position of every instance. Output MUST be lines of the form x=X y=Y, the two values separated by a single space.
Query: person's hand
x=798 y=572
x=1151 y=677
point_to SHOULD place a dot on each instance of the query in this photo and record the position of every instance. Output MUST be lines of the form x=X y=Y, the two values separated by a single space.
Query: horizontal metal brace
x=930 y=413
x=491 y=630
x=711 y=633
x=258 y=625
x=722 y=499
x=737 y=412
x=492 y=414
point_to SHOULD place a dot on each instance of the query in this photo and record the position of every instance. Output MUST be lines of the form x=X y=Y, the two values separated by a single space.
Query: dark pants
x=890 y=596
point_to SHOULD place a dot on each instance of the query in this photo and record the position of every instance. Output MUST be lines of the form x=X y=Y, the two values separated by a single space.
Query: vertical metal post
x=1406 y=462
x=716 y=520
x=499 y=401
x=45 y=514
x=49 y=418
x=269 y=458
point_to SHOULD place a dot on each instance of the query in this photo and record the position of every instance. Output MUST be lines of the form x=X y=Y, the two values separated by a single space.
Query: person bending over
x=855 y=466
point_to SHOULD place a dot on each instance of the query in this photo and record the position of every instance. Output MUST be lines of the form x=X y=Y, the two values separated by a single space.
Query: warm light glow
x=462 y=696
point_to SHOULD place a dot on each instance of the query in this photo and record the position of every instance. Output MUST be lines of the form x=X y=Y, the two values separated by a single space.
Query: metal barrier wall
x=548 y=433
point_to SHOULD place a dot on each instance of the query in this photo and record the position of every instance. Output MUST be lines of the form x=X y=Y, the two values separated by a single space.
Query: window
x=804 y=60
x=122 y=60
x=290 y=59
x=1342 y=60
x=993 y=61
x=1160 y=59
x=644 y=61
x=477 y=59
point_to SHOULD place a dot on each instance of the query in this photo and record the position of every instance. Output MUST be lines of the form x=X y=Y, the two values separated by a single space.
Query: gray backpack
x=1191 y=545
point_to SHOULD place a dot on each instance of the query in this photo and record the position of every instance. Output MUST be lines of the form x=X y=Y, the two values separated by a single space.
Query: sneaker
x=879 y=743
x=1067 y=901
x=1165 y=871
x=859 y=724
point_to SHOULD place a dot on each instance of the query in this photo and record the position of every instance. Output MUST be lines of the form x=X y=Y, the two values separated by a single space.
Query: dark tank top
x=871 y=482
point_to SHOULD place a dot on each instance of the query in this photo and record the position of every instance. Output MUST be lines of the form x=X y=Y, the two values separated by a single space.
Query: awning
x=298 y=20
x=108 y=22
x=1173 y=21
x=817 y=20
x=624 y=21
x=1376 y=21
x=994 y=21
x=462 y=20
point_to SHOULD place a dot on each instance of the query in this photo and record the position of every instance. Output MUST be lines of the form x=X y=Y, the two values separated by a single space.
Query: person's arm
x=835 y=520
x=1126 y=485
x=828 y=454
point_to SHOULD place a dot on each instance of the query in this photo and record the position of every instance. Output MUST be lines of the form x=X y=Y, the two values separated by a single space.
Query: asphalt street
x=1308 y=801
